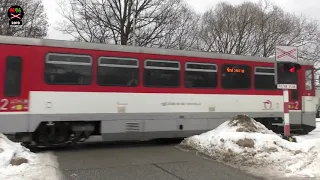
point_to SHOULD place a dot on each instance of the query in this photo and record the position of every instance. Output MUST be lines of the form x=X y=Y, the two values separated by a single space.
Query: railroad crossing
x=143 y=161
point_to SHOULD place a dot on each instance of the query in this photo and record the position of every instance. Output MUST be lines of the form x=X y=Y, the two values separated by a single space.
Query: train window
x=294 y=95
x=68 y=69
x=115 y=71
x=308 y=79
x=159 y=73
x=13 y=76
x=236 y=76
x=200 y=75
x=264 y=78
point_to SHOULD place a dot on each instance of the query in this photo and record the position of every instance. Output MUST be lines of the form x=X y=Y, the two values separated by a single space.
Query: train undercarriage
x=62 y=134
x=276 y=125
x=58 y=134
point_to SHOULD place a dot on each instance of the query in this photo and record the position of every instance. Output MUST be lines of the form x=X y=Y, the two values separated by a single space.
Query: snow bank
x=41 y=166
x=249 y=145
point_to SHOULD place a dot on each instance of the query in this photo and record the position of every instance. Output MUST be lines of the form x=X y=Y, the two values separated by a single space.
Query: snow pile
x=249 y=145
x=18 y=163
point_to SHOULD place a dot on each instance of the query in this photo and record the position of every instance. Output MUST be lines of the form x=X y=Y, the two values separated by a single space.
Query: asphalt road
x=147 y=161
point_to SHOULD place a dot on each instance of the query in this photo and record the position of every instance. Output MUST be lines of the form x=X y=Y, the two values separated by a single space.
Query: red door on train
x=15 y=67
x=295 y=100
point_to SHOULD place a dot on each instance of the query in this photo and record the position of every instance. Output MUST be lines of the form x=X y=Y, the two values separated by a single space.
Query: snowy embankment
x=247 y=144
x=18 y=163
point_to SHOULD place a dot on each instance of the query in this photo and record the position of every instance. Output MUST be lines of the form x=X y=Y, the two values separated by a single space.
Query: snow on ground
x=315 y=134
x=42 y=166
x=248 y=145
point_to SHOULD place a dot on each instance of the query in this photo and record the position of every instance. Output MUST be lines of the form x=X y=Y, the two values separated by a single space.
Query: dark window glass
x=204 y=66
x=264 y=78
x=118 y=72
x=295 y=92
x=13 y=77
x=199 y=75
x=236 y=76
x=264 y=82
x=264 y=70
x=294 y=95
x=118 y=61
x=67 y=69
x=65 y=58
x=161 y=74
x=159 y=63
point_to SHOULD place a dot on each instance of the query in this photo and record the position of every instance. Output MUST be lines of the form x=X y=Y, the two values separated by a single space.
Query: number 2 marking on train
x=4 y=104
x=297 y=105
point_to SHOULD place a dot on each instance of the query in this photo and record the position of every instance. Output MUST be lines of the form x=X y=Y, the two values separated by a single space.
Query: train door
x=309 y=99
x=295 y=104
x=14 y=88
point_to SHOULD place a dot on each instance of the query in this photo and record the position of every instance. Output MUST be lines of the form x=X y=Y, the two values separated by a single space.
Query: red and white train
x=54 y=92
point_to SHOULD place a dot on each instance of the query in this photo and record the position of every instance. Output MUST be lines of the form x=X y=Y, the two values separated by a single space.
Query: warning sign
x=286 y=53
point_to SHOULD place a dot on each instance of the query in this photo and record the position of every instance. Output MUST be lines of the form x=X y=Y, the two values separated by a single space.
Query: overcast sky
x=306 y=7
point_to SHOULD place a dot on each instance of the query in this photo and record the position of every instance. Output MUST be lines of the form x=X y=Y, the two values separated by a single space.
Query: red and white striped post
x=286 y=60
x=286 y=116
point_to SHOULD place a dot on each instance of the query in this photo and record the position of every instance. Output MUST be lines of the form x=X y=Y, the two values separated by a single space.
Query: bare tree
x=35 y=22
x=111 y=21
x=255 y=29
x=279 y=28
x=228 y=29
x=248 y=29
x=182 y=32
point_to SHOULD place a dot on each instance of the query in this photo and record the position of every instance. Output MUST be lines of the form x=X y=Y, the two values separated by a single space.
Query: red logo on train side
x=267 y=105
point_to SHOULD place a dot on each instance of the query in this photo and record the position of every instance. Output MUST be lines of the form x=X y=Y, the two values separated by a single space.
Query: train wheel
x=52 y=134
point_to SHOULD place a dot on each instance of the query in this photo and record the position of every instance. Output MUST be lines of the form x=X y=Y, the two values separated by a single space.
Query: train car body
x=53 y=92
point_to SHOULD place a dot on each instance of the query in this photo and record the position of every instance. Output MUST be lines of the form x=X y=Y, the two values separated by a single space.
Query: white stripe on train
x=91 y=102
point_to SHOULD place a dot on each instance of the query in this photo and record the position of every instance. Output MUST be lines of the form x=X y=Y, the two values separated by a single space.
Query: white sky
x=307 y=7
